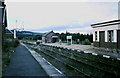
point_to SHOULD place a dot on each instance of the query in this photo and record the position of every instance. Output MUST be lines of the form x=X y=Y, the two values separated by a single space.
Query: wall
x=49 y=37
x=106 y=44
x=0 y=40
x=43 y=39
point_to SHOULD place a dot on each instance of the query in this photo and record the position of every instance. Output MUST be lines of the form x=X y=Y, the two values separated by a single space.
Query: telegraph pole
x=22 y=26
x=15 y=31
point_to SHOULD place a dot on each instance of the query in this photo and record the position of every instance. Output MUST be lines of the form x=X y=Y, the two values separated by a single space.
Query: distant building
x=49 y=37
x=107 y=34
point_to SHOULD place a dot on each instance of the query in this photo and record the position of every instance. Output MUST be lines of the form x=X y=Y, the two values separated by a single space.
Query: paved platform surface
x=73 y=46
x=47 y=66
x=23 y=64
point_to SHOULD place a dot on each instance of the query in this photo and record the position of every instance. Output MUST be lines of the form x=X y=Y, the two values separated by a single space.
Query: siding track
x=74 y=63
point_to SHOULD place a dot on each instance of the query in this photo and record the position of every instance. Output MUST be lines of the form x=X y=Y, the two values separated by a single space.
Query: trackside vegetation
x=8 y=47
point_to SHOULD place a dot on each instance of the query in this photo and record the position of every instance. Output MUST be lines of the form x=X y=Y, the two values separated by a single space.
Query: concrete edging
x=47 y=66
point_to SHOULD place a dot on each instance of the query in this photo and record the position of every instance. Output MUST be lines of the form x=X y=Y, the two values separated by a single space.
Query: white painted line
x=49 y=63
x=58 y=71
x=68 y=48
x=94 y=54
x=118 y=58
x=38 y=55
x=78 y=50
x=106 y=56
x=86 y=52
x=43 y=58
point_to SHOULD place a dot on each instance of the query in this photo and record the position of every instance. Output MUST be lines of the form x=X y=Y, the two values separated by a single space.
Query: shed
x=49 y=37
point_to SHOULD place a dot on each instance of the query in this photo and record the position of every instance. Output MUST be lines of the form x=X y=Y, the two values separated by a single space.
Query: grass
x=7 y=49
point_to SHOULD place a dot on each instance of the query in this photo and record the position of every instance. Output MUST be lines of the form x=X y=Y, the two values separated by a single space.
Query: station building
x=107 y=34
x=49 y=37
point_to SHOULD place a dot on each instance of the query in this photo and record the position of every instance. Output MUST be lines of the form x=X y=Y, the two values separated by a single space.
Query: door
x=118 y=39
x=54 y=40
x=102 y=38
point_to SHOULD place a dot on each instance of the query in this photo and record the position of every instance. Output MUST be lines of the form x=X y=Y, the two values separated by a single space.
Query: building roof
x=113 y=22
x=47 y=33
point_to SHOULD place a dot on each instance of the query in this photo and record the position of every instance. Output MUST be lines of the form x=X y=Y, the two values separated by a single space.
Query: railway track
x=79 y=62
x=82 y=55
x=66 y=69
x=87 y=65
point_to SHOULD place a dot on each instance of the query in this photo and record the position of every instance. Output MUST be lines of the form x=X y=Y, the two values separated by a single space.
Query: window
x=95 y=35
x=110 y=36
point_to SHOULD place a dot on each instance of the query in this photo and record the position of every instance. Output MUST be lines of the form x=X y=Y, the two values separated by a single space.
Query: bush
x=74 y=42
x=20 y=38
x=9 y=43
x=64 y=41
x=16 y=43
x=86 y=42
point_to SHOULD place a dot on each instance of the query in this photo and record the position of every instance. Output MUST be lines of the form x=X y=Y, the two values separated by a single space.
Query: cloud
x=41 y=16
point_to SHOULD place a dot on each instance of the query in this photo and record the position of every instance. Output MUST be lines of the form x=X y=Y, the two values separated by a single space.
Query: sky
x=74 y=17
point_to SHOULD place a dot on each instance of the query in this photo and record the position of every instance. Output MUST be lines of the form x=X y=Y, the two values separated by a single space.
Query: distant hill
x=27 y=33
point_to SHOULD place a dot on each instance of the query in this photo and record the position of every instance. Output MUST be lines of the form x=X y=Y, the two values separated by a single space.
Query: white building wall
x=106 y=29
x=115 y=35
x=98 y=36
x=111 y=27
x=106 y=36
x=93 y=35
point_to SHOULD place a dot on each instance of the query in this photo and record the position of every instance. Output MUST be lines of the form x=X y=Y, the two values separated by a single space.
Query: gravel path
x=73 y=46
x=89 y=48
